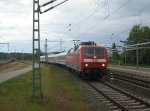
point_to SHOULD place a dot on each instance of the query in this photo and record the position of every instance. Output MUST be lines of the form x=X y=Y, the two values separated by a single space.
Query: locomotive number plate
x=95 y=60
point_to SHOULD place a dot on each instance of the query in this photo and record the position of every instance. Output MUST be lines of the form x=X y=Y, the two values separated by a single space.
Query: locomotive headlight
x=86 y=65
x=103 y=65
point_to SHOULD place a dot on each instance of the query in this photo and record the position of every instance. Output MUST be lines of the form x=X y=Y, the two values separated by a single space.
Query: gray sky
x=91 y=20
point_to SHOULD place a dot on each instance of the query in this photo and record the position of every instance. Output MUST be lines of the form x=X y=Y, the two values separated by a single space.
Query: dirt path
x=10 y=75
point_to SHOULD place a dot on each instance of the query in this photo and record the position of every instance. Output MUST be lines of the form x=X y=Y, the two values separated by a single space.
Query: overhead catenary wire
x=69 y=26
x=83 y=20
x=55 y=41
x=106 y=18
x=86 y=18
x=80 y=14
x=126 y=30
x=121 y=32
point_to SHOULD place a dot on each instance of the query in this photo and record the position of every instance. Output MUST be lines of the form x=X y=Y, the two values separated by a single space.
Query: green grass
x=60 y=94
x=27 y=63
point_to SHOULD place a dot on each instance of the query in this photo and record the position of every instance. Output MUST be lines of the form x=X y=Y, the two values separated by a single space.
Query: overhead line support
x=48 y=3
x=36 y=75
x=51 y=7
x=46 y=54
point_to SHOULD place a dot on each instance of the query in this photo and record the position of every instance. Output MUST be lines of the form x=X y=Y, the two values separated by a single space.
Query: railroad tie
x=146 y=109
x=133 y=107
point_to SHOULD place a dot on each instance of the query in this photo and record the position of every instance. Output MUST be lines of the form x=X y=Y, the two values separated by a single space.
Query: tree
x=139 y=34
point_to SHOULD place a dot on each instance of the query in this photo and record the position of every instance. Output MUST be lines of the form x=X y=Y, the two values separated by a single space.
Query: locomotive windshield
x=94 y=51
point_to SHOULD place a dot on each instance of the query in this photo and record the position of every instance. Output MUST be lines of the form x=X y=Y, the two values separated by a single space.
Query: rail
x=118 y=97
x=140 y=80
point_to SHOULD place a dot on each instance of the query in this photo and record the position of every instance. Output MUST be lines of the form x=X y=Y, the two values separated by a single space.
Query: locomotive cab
x=93 y=61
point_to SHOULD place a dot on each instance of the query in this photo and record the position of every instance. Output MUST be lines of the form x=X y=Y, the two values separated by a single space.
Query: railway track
x=121 y=76
x=117 y=99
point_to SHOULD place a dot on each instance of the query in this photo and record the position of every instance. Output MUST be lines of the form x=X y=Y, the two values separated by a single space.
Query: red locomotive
x=86 y=59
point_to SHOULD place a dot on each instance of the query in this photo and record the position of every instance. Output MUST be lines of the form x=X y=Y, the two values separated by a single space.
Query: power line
x=36 y=74
x=108 y=16
x=124 y=30
x=82 y=21
x=85 y=19
x=130 y=27
x=121 y=6
x=119 y=33
x=80 y=14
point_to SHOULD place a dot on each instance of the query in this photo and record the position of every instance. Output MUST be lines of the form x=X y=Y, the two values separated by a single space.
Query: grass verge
x=14 y=66
x=59 y=92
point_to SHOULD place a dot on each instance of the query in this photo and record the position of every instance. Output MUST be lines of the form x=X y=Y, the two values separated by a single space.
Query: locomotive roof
x=83 y=46
x=90 y=46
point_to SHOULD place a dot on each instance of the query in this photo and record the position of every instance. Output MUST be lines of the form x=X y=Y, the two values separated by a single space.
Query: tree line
x=17 y=56
x=138 y=34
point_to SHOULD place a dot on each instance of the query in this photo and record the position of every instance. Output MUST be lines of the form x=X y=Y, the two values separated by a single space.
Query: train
x=86 y=60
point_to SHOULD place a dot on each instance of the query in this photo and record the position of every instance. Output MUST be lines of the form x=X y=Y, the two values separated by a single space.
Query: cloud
x=86 y=19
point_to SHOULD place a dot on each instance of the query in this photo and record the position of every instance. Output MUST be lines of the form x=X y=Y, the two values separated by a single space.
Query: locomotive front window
x=94 y=51
x=88 y=51
x=99 y=52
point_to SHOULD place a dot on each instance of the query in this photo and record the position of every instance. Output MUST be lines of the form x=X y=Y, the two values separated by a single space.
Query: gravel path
x=9 y=75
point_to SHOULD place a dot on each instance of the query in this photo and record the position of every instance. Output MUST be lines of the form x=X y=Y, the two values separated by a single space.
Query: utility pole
x=61 y=45
x=46 y=55
x=36 y=75
x=125 y=57
x=15 y=54
x=22 y=55
x=8 y=53
x=137 y=56
x=125 y=52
